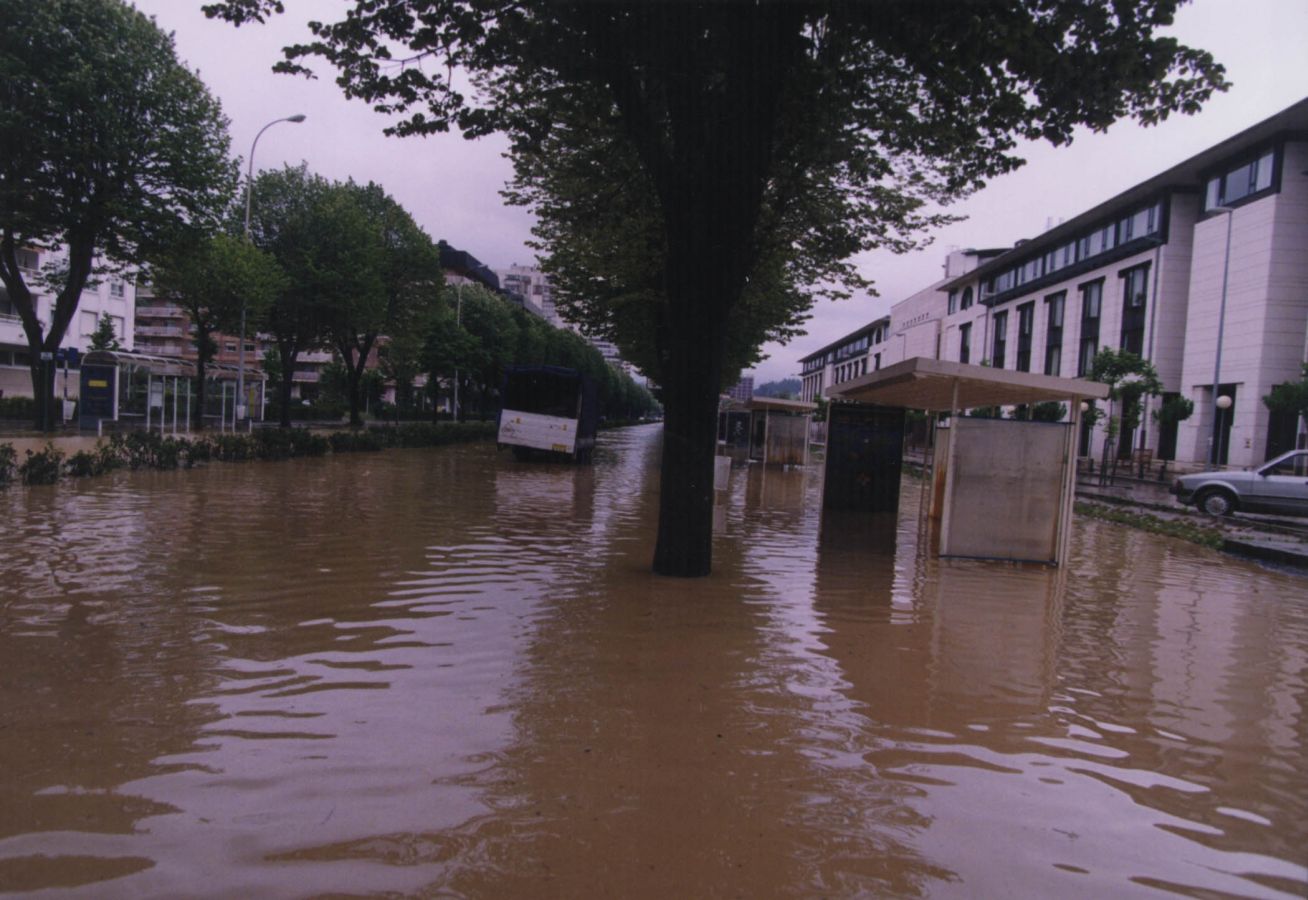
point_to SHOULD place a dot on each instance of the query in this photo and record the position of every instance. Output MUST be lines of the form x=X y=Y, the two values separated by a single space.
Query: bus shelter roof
x=774 y=404
x=169 y=365
x=938 y=385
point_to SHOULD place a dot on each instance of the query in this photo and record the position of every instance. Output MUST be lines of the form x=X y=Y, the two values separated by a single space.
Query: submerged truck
x=548 y=412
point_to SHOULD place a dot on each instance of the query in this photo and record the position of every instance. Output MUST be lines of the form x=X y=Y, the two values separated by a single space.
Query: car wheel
x=1217 y=503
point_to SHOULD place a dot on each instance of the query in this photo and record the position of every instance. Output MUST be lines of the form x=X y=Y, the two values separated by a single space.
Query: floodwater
x=441 y=672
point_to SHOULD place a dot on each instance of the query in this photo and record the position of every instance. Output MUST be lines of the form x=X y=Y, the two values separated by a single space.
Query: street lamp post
x=239 y=412
x=458 y=320
x=1215 y=441
x=1223 y=404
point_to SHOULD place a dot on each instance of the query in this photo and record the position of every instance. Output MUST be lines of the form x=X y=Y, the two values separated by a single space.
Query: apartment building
x=850 y=357
x=534 y=287
x=1202 y=269
x=111 y=294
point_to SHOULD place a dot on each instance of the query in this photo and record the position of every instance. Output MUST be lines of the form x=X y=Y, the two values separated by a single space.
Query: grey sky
x=452 y=185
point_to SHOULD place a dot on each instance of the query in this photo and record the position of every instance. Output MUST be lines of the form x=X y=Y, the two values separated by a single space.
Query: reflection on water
x=445 y=672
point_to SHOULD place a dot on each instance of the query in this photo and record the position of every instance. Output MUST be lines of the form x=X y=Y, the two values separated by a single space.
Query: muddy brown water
x=441 y=672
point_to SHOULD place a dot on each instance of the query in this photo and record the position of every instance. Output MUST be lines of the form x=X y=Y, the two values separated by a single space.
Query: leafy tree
x=701 y=172
x=1048 y=411
x=488 y=318
x=1129 y=378
x=448 y=351
x=318 y=235
x=1291 y=397
x=107 y=146
x=104 y=337
x=1176 y=409
x=398 y=279
x=211 y=279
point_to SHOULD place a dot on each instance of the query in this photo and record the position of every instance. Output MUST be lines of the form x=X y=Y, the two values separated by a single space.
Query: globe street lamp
x=1223 y=404
x=1215 y=441
x=249 y=190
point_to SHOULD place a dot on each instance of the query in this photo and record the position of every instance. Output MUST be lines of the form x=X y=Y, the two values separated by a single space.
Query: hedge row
x=149 y=450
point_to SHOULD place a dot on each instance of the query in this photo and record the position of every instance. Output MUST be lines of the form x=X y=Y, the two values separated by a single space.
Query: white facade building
x=114 y=295
x=1203 y=270
x=533 y=286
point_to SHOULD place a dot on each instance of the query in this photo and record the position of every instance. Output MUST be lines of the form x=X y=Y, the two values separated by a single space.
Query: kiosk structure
x=766 y=430
x=1000 y=488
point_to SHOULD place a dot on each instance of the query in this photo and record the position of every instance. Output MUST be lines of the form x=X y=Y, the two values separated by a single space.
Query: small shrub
x=197 y=450
x=272 y=443
x=84 y=464
x=8 y=463
x=307 y=443
x=233 y=447
x=355 y=441
x=42 y=466
x=18 y=408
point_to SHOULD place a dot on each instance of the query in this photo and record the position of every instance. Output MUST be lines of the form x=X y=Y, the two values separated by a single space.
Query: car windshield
x=1295 y=466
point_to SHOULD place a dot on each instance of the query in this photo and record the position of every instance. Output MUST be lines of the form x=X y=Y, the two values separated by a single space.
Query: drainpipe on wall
x=1149 y=348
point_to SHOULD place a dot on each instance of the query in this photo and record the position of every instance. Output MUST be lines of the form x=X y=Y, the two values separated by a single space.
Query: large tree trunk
x=289 y=354
x=690 y=401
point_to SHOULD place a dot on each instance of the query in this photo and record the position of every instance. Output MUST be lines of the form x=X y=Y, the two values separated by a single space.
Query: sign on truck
x=548 y=412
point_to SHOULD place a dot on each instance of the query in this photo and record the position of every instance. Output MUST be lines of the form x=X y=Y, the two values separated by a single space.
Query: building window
x=89 y=321
x=1054 y=332
x=1248 y=178
x=230 y=346
x=1092 y=295
x=953 y=302
x=965 y=343
x=116 y=289
x=1025 y=327
x=28 y=260
x=877 y=363
x=1134 y=287
x=1000 y=342
x=966 y=301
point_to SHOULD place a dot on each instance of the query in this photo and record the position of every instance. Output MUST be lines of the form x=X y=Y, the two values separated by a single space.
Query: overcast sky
x=451 y=186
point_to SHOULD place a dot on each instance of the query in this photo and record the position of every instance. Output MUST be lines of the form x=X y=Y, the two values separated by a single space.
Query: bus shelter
x=767 y=430
x=999 y=488
x=141 y=390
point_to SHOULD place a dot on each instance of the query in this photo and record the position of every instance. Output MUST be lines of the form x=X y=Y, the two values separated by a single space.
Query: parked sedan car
x=1279 y=487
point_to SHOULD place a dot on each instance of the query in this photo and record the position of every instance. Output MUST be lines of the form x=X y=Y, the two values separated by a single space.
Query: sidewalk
x=1277 y=539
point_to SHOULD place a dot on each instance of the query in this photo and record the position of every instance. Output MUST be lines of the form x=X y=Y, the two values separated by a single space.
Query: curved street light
x=249 y=190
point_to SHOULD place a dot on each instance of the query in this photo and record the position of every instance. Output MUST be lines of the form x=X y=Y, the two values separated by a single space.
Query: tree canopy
x=213 y=278
x=108 y=146
x=702 y=171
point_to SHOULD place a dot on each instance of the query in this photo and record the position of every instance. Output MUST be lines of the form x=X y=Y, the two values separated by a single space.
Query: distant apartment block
x=1202 y=269
x=112 y=294
x=742 y=390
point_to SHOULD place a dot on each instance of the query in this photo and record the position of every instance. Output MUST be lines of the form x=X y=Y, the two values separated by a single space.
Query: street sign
x=46 y=356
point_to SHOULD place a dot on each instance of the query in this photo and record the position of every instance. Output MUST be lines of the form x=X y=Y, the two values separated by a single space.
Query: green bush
x=84 y=464
x=197 y=450
x=306 y=443
x=42 y=466
x=355 y=441
x=8 y=463
x=18 y=408
x=272 y=443
x=233 y=447
x=433 y=434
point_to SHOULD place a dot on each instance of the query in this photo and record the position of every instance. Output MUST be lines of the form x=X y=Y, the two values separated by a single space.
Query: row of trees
x=344 y=266
x=114 y=155
x=479 y=333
